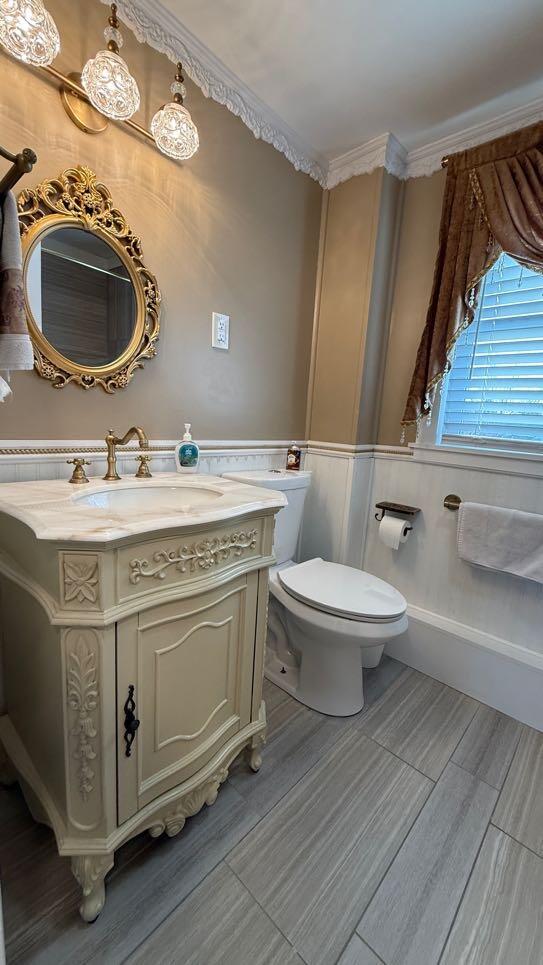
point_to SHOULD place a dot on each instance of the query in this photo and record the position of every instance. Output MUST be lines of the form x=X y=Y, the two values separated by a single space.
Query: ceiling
x=341 y=73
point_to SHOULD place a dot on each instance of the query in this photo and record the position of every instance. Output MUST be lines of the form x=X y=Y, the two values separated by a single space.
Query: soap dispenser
x=187 y=453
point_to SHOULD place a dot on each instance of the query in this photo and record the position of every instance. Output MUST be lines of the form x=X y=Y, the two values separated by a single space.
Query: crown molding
x=427 y=159
x=153 y=24
x=384 y=151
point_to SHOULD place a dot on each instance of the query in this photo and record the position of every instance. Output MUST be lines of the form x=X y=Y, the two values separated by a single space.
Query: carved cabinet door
x=190 y=664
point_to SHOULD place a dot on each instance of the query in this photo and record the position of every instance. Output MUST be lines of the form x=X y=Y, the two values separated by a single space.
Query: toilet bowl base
x=317 y=698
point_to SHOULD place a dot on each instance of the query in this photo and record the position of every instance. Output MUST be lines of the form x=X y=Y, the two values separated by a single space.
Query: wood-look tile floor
x=411 y=834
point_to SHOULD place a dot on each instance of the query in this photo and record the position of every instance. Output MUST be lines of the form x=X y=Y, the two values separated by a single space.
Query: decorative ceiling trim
x=427 y=159
x=153 y=24
x=383 y=151
x=386 y=151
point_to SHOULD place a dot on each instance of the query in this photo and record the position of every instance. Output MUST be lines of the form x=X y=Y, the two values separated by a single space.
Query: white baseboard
x=497 y=672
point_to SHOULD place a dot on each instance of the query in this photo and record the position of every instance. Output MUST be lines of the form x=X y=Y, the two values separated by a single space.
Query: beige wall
x=377 y=326
x=233 y=230
x=357 y=258
x=415 y=268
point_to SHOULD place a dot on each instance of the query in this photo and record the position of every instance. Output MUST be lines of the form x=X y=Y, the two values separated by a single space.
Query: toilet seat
x=342 y=591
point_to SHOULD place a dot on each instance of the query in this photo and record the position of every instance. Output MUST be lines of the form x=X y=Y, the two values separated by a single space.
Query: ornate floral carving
x=202 y=555
x=83 y=700
x=173 y=821
x=383 y=151
x=76 y=194
x=81 y=579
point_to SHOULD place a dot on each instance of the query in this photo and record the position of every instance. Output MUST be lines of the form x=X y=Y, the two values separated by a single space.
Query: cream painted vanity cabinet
x=133 y=626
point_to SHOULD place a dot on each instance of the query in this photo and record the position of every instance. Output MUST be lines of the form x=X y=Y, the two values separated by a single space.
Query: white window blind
x=494 y=390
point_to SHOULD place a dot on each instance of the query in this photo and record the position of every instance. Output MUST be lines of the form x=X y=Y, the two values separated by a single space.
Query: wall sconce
x=105 y=89
x=107 y=80
x=28 y=32
x=173 y=129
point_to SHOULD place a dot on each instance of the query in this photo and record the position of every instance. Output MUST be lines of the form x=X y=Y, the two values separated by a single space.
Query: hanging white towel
x=508 y=540
x=15 y=346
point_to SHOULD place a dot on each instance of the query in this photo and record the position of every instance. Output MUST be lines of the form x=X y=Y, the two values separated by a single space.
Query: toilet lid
x=342 y=590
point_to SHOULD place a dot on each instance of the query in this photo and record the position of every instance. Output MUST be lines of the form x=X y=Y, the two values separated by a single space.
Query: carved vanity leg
x=254 y=751
x=90 y=871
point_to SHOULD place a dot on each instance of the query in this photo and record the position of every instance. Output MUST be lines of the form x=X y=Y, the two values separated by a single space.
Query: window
x=494 y=391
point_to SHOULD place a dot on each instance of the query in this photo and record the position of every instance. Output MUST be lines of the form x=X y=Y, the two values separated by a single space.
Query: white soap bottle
x=187 y=453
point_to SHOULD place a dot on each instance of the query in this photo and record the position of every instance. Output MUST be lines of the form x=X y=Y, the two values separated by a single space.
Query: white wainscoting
x=23 y=460
x=337 y=503
x=427 y=569
x=473 y=629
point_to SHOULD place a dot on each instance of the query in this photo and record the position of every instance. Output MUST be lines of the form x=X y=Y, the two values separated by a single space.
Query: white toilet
x=325 y=621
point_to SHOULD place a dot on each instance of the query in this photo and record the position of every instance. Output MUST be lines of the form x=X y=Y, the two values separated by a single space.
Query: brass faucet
x=112 y=441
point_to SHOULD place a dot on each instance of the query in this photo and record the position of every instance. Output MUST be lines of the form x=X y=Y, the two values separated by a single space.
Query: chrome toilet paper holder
x=398 y=509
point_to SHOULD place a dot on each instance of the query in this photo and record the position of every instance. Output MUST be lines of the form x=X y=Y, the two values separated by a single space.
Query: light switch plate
x=220 y=330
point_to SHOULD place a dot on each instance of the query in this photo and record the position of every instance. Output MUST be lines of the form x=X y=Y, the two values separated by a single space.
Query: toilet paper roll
x=393 y=531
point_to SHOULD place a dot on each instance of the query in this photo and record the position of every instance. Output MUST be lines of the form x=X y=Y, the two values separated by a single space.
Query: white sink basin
x=177 y=499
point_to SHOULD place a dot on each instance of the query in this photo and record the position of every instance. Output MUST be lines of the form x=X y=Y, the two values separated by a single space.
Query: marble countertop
x=57 y=510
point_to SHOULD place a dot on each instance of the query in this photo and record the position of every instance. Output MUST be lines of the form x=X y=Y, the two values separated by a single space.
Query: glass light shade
x=110 y=86
x=28 y=31
x=175 y=132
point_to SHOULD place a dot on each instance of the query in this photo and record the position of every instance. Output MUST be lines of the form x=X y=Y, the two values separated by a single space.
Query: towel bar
x=452 y=502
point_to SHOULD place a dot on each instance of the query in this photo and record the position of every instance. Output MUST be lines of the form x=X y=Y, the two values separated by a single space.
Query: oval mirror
x=81 y=296
x=92 y=304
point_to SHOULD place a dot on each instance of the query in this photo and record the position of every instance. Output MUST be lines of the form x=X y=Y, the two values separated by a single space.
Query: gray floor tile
x=315 y=861
x=408 y=919
x=298 y=738
x=273 y=696
x=218 y=924
x=378 y=680
x=488 y=745
x=358 y=953
x=519 y=811
x=151 y=877
x=420 y=720
x=500 y=920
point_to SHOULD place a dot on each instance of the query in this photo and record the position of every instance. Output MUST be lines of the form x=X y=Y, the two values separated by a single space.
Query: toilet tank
x=294 y=485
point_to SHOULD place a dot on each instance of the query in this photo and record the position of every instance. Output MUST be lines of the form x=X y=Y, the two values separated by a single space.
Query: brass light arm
x=112 y=441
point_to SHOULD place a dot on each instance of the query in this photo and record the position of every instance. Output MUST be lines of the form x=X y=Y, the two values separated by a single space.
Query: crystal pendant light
x=173 y=129
x=107 y=80
x=28 y=31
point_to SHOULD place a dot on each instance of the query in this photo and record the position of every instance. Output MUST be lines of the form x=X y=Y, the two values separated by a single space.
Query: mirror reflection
x=81 y=296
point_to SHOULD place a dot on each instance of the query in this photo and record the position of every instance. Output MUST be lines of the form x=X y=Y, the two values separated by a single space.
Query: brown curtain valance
x=493 y=202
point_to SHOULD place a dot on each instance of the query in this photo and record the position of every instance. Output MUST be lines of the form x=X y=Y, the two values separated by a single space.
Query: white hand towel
x=15 y=346
x=508 y=540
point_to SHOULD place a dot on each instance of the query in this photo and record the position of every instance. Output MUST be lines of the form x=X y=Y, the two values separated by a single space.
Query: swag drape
x=493 y=202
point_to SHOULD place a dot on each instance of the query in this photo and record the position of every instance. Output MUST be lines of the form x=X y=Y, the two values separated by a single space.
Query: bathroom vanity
x=133 y=623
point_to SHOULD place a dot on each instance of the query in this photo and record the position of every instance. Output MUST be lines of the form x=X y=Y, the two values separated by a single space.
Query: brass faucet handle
x=143 y=471
x=78 y=476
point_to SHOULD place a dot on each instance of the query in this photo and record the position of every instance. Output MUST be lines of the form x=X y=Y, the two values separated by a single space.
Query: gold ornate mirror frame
x=76 y=199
